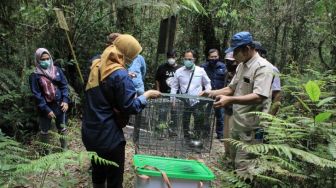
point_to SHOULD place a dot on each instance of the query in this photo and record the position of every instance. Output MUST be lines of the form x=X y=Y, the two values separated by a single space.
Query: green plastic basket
x=174 y=168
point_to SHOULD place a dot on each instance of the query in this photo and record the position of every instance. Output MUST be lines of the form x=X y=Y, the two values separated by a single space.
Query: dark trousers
x=201 y=128
x=60 y=121
x=108 y=173
x=219 y=112
x=169 y=114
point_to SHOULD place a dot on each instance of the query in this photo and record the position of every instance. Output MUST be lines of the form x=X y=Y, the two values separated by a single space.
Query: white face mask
x=171 y=61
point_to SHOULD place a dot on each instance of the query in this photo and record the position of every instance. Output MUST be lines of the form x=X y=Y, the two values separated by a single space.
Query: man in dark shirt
x=165 y=73
x=216 y=71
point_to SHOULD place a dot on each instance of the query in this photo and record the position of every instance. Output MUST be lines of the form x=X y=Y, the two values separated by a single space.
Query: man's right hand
x=51 y=115
x=222 y=101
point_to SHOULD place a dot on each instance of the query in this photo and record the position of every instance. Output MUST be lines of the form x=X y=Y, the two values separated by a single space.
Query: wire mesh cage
x=175 y=126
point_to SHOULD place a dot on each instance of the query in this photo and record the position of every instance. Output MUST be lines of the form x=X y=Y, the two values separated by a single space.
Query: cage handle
x=163 y=174
x=200 y=184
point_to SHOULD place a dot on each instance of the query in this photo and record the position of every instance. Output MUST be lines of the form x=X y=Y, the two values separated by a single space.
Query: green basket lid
x=174 y=168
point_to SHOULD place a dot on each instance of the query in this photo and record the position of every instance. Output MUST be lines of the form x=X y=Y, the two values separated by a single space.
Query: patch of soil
x=81 y=176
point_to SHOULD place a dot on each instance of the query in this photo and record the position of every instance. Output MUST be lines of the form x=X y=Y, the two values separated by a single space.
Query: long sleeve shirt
x=199 y=81
x=99 y=129
x=138 y=67
x=62 y=91
x=216 y=73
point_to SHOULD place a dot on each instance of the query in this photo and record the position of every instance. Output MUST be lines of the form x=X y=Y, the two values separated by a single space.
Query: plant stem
x=44 y=176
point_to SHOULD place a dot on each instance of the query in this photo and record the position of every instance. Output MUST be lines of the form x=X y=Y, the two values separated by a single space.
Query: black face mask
x=213 y=62
x=231 y=66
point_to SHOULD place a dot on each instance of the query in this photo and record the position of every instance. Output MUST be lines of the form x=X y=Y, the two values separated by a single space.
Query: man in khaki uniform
x=249 y=91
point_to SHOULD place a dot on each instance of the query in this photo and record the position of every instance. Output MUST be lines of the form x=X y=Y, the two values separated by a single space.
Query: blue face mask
x=188 y=64
x=45 y=64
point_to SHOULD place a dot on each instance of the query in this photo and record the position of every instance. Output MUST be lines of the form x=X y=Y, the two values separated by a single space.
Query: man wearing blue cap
x=249 y=91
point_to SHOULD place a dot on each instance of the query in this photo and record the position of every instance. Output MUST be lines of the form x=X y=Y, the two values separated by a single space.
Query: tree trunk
x=275 y=43
x=284 y=51
x=195 y=33
x=208 y=32
x=125 y=19
x=333 y=56
x=321 y=54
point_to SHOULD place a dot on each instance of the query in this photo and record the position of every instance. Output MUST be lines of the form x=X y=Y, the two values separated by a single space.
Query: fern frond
x=313 y=159
x=17 y=149
x=15 y=158
x=230 y=179
x=59 y=136
x=332 y=145
x=74 y=97
x=281 y=162
x=278 y=167
x=51 y=161
x=284 y=150
x=99 y=160
x=46 y=145
x=8 y=80
x=270 y=179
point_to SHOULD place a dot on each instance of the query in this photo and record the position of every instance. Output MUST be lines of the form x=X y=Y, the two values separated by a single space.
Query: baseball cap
x=229 y=56
x=239 y=39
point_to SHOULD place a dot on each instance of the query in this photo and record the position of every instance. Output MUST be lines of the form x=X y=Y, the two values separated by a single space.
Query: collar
x=249 y=63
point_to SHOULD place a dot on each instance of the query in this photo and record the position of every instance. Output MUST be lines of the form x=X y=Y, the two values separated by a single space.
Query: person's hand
x=64 y=106
x=51 y=115
x=222 y=101
x=152 y=94
x=209 y=94
x=132 y=74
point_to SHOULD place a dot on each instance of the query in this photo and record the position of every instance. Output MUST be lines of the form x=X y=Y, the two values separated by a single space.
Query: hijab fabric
x=51 y=70
x=48 y=88
x=113 y=58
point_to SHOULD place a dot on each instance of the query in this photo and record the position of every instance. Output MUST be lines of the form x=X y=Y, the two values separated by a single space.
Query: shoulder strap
x=192 y=75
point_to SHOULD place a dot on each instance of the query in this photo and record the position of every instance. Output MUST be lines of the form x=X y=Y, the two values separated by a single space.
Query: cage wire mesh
x=175 y=126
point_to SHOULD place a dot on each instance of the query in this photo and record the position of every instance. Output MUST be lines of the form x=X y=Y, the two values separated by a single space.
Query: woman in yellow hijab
x=110 y=99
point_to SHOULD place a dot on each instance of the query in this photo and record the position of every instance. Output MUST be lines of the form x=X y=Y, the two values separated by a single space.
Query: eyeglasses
x=44 y=59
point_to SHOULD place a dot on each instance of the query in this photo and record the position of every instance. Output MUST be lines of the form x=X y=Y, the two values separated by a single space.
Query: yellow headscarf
x=113 y=58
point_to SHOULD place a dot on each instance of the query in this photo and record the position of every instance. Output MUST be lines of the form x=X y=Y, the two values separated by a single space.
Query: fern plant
x=18 y=164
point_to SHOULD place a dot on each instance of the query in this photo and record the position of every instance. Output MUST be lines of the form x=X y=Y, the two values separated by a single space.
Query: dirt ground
x=83 y=177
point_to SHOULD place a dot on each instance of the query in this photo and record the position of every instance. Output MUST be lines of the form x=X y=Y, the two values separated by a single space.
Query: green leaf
x=194 y=5
x=326 y=100
x=313 y=90
x=321 y=117
x=332 y=149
